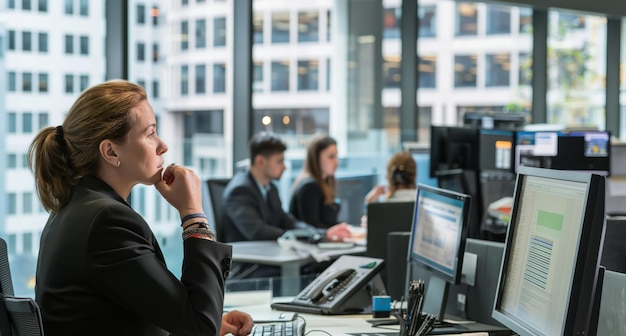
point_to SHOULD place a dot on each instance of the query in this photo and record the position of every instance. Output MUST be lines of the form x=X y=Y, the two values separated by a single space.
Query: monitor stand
x=436 y=297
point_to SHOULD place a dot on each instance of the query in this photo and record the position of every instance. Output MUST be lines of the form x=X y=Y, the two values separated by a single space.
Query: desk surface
x=271 y=253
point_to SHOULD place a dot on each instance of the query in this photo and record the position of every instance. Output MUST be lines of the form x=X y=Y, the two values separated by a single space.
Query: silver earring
x=118 y=163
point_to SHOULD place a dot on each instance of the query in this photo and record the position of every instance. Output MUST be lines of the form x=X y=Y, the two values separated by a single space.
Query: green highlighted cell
x=550 y=220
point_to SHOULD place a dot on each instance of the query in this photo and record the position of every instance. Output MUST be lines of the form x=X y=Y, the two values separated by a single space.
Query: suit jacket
x=100 y=271
x=248 y=216
x=308 y=205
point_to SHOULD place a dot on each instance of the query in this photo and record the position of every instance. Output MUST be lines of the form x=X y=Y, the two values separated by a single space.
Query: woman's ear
x=107 y=152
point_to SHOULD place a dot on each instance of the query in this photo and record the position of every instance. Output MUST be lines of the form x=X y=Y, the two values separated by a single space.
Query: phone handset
x=330 y=285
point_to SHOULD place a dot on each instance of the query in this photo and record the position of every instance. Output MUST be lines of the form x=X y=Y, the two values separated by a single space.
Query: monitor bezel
x=588 y=252
x=458 y=265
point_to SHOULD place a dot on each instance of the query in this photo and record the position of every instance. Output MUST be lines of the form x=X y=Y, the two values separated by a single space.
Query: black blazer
x=100 y=271
x=307 y=204
x=246 y=214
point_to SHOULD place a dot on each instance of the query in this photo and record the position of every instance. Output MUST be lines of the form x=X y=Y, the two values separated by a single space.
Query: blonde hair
x=60 y=156
x=312 y=166
x=401 y=172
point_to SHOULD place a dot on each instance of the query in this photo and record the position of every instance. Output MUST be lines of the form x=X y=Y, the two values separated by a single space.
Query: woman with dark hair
x=313 y=197
x=100 y=269
x=401 y=176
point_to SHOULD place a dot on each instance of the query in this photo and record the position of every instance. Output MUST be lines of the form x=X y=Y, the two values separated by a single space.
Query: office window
x=141 y=51
x=427 y=67
x=155 y=15
x=27 y=202
x=11 y=161
x=12 y=81
x=200 y=79
x=219 y=78
x=525 y=69
x=280 y=27
x=498 y=19
x=27 y=43
x=11 y=203
x=280 y=76
x=11 y=42
x=84 y=45
x=184 y=2
x=27 y=243
x=155 y=89
x=155 y=52
x=391 y=23
x=427 y=20
x=84 y=82
x=219 y=32
x=571 y=21
x=42 y=39
x=24 y=161
x=308 y=26
x=328 y=74
x=27 y=82
x=141 y=14
x=497 y=67
x=141 y=83
x=328 y=25
x=308 y=75
x=69 y=83
x=11 y=4
x=200 y=33
x=84 y=7
x=69 y=7
x=464 y=71
x=466 y=19
x=184 y=35
x=26 y=5
x=43 y=82
x=42 y=6
x=12 y=122
x=184 y=80
x=391 y=72
x=69 y=44
x=257 y=77
x=257 y=28
x=27 y=122
x=43 y=119
x=525 y=20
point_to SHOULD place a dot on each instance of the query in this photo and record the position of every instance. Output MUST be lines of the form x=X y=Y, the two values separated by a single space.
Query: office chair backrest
x=6 y=282
x=216 y=194
x=614 y=250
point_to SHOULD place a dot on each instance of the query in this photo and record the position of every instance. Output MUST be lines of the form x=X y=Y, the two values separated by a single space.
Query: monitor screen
x=496 y=149
x=453 y=148
x=550 y=266
x=440 y=223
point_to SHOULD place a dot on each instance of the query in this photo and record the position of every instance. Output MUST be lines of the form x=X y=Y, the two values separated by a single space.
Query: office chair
x=216 y=194
x=18 y=316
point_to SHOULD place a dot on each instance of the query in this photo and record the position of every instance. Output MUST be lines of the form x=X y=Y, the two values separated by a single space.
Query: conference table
x=289 y=257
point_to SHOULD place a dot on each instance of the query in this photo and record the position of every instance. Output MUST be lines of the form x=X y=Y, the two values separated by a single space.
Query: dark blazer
x=100 y=271
x=246 y=214
x=307 y=204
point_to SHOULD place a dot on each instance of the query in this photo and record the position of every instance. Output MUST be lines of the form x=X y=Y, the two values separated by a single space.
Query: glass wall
x=622 y=91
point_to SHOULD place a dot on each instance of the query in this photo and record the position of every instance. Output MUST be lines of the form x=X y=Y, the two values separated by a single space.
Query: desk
x=289 y=259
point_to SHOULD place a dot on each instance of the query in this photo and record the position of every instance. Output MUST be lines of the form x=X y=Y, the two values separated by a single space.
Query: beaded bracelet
x=204 y=225
x=193 y=215
x=199 y=231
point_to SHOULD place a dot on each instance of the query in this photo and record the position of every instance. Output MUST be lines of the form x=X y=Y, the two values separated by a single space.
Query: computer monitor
x=452 y=148
x=496 y=150
x=547 y=283
x=464 y=182
x=351 y=191
x=440 y=223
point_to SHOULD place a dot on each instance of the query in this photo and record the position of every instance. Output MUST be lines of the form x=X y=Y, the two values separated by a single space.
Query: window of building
x=497 y=67
x=200 y=79
x=27 y=243
x=43 y=119
x=257 y=77
x=12 y=122
x=69 y=83
x=328 y=74
x=27 y=42
x=141 y=51
x=27 y=122
x=42 y=6
x=27 y=202
x=391 y=23
x=84 y=82
x=525 y=20
x=84 y=45
x=12 y=81
x=27 y=82
x=280 y=27
x=12 y=203
x=219 y=78
x=69 y=44
x=69 y=7
x=427 y=76
x=200 y=33
x=280 y=76
x=308 y=75
x=219 y=32
x=141 y=83
x=24 y=160
x=184 y=35
x=141 y=14
x=427 y=20
x=155 y=15
x=42 y=39
x=466 y=19
x=257 y=28
x=391 y=72
x=184 y=80
x=328 y=25
x=26 y=5
x=43 y=82
x=11 y=42
x=155 y=52
x=525 y=69
x=464 y=71
x=11 y=160
x=155 y=89
x=308 y=26
x=11 y=4
x=498 y=19
x=84 y=7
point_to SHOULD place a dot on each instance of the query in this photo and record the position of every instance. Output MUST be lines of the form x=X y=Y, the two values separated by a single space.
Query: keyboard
x=286 y=328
